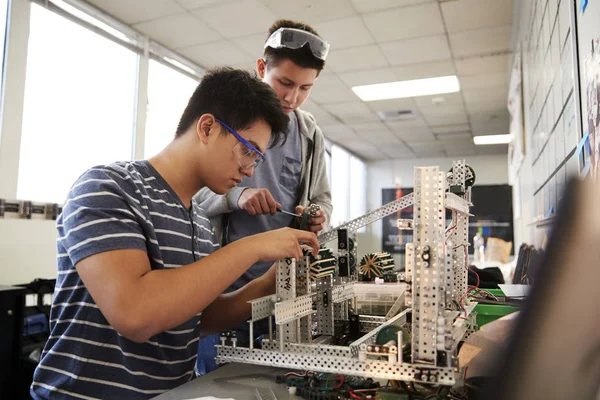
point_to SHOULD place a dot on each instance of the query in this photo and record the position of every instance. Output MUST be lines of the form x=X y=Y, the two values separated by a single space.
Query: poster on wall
x=516 y=148
x=592 y=114
x=394 y=240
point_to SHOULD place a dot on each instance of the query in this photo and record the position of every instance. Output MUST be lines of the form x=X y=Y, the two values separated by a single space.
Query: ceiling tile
x=447 y=120
x=344 y=109
x=475 y=14
x=397 y=150
x=372 y=155
x=502 y=115
x=430 y=149
x=370 y=127
x=455 y=138
x=368 y=77
x=482 y=65
x=359 y=144
x=492 y=149
x=411 y=135
x=493 y=95
x=430 y=144
x=483 y=41
x=379 y=137
x=352 y=112
x=251 y=44
x=321 y=115
x=337 y=132
x=330 y=89
x=365 y=6
x=419 y=50
x=356 y=58
x=194 y=4
x=447 y=110
x=450 y=128
x=496 y=126
x=393 y=105
x=132 y=11
x=424 y=70
x=216 y=54
x=397 y=126
x=244 y=17
x=485 y=107
x=346 y=32
x=448 y=99
x=405 y=23
x=484 y=81
x=466 y=152
x=311 y=11
x=190 y=31
x=248 y=65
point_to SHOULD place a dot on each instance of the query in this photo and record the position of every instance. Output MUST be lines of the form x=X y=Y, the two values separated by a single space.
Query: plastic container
x=487 y=313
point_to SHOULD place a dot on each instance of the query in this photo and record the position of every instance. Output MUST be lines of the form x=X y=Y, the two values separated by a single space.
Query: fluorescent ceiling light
x=492 y=139
x=414 y=88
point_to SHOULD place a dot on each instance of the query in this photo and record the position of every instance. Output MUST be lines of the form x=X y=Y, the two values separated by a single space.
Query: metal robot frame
x=433 y=293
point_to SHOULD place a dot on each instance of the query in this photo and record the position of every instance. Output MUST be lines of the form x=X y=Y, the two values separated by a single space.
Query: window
x=168 y=94
x=79 y=105
x=340 y=185
x=3 y=20
x=358 y=188
x=348 y=186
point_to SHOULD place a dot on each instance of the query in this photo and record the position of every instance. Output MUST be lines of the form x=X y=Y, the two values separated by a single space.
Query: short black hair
x=237 y=98
x=303 y=57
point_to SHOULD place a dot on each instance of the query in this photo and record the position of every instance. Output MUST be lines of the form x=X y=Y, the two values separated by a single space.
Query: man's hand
x=258 y=202
x=315 y=224
x=283 y=243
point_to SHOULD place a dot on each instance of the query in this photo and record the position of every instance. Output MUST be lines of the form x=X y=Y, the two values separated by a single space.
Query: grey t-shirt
x=281 y=175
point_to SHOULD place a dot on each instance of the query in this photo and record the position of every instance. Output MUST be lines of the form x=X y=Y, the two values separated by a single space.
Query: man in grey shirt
x=295 y=175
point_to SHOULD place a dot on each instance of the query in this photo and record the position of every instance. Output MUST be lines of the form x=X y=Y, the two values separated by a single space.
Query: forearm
x=215 y=320
x=164 y=299
x=214 y=204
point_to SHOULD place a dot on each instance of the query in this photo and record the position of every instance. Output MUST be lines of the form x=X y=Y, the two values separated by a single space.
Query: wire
x=451 y=227
x=353 y=395
x=470 y=288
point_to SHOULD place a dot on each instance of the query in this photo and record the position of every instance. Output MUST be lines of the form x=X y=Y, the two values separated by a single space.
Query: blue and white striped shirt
x=125 y=205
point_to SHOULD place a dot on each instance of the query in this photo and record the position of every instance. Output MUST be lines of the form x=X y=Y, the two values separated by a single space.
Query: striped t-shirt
x=125 y=205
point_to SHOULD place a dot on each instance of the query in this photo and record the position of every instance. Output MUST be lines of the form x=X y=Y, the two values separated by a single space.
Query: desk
x=238 y=381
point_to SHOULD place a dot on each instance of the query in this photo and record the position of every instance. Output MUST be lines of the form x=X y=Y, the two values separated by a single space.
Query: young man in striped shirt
x=140 y=275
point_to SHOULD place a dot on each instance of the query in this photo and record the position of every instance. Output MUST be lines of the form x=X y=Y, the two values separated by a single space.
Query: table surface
x=237 y=381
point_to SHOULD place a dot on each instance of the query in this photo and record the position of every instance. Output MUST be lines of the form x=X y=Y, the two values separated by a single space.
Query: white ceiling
x=372 y=41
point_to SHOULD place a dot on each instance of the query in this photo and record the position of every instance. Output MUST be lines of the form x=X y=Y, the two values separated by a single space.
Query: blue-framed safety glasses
x=247 y=155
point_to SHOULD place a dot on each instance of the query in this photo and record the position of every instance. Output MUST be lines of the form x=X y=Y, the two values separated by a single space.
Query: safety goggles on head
x=247 y=155
x=294 y=39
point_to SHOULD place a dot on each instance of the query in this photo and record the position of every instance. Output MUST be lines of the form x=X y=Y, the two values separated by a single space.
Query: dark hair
x=237 y=98
x=302 y=57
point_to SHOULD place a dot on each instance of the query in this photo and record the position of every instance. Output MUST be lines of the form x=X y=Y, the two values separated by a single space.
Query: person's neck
x=176 y=166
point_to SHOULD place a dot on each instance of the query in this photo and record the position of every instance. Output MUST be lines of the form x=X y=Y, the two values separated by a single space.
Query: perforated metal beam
x=339 y=365
x=291 y=310
x=377 y=214
x=262 y=307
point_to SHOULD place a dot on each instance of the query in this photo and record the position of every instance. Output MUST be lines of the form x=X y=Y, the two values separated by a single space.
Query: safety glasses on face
x=291 y=38
x=247 y=155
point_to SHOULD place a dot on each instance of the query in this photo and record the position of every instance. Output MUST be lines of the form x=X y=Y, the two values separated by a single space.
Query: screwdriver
x=289 y=213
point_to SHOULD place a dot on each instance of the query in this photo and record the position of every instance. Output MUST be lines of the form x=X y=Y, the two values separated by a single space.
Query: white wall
x=489 y=170
x=27 y=250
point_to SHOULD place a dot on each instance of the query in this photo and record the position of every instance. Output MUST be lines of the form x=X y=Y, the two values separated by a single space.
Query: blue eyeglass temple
x=241 y=139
